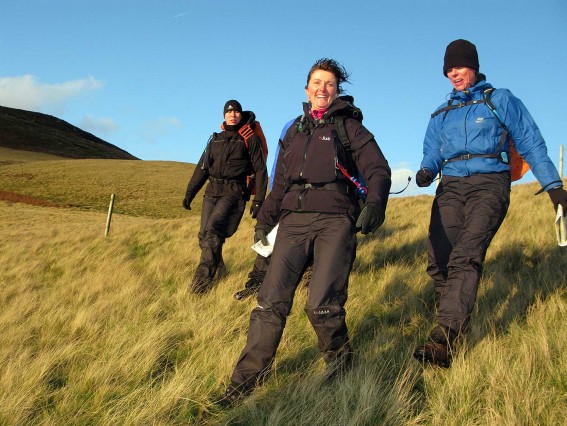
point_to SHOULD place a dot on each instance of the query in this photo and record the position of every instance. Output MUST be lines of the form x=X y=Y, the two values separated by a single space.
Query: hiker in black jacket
x=316 y=208
x=226 y=162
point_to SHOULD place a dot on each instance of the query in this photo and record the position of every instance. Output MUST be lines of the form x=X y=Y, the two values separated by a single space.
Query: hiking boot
x=438 y=350
x=200 y=284
x=232 y=395
x=338 y=363
x=433 y=353
x=251 y=288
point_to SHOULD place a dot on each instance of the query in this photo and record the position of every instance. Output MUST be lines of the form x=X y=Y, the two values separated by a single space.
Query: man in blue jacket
x=467 y=140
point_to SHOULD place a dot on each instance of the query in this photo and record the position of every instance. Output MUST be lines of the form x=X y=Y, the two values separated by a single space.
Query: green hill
x=102 y=330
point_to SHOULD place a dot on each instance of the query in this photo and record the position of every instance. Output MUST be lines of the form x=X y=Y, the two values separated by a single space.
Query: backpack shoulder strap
x=490 y=105
x=445 y=109
x=294 y=129
x=246 y=132
x=450 y=106
x=341 y=131
x=487 y=94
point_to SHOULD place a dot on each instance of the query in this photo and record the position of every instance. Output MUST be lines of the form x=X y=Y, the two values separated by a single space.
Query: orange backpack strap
x=246 y=132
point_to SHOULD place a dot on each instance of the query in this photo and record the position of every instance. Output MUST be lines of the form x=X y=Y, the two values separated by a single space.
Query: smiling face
x=461 y=77
x=232 y=118
x=322 y=89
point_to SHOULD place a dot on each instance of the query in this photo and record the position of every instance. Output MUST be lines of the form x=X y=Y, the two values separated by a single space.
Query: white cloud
x=159 y=128
x=26 y=92
x=98 y=125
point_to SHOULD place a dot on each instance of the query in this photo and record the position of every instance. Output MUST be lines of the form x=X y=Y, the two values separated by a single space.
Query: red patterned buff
x=318 y=114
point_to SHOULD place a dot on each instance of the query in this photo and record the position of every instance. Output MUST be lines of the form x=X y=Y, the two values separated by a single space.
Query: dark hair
x=331 y=66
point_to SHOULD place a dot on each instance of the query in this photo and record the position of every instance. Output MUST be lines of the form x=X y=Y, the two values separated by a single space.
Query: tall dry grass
x=102 y=330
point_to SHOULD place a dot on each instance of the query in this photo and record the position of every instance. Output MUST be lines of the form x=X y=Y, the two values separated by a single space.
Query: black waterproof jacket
x=310 y=156
x=227 y=161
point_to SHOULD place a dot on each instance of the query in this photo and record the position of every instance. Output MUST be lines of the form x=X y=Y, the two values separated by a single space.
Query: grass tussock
x=102 y=330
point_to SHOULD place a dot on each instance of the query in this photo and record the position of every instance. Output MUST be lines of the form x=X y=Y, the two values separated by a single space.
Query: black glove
x=261 y=234
x=255 y=208
x=187 y=202
x=423 y=177
x=558 y=196
x=370 y=219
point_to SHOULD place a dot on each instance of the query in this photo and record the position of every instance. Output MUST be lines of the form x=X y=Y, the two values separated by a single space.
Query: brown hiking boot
x=232 y=396
x=433 y=353
x=438 y=350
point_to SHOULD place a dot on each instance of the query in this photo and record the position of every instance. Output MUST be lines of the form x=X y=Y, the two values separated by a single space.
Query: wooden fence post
x=110 y=207
x=561 y=161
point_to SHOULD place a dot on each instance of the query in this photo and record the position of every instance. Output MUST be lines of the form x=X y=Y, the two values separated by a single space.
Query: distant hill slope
x=37 y=132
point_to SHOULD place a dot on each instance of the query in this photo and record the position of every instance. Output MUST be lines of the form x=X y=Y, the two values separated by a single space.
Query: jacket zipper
x=305 y=153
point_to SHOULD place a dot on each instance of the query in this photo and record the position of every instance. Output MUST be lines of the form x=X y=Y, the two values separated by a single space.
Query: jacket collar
x=474 y=92
x=338 y=107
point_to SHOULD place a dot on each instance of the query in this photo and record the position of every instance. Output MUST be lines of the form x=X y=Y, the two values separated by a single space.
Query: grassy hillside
x=12 y=156
x=149 y=188
x=102 y=331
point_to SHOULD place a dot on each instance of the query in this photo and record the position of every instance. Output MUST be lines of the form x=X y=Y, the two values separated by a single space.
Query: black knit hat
x=460 y=53
x=232 y=105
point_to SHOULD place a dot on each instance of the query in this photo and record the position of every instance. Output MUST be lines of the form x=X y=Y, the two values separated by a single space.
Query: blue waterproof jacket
x=474 y=129
x=282 y=136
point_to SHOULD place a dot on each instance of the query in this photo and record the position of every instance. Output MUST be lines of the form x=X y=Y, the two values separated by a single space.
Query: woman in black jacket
x=316 y=206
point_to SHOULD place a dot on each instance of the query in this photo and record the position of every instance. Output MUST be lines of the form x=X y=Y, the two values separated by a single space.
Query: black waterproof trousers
x=466 y=214
x=220 y=217
x=331 y=240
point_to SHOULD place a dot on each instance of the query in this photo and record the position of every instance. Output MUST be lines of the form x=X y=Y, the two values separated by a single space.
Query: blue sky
x=152 y=76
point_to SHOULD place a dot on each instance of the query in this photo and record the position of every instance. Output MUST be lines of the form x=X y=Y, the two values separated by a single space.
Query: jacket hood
x=248 y=117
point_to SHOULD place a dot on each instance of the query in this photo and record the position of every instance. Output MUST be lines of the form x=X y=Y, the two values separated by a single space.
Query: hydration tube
x=362 y=190
x=406 y=187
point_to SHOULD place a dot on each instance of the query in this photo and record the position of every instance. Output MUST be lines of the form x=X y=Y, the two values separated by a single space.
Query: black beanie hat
x=460 y=53
x=232 y=105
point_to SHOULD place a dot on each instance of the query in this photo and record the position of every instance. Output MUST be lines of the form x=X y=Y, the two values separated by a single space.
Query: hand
x=187 y=202
x=255 y=208
x=370 y=219
x=261 y=234
x=423 y=177
x=558 y=196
